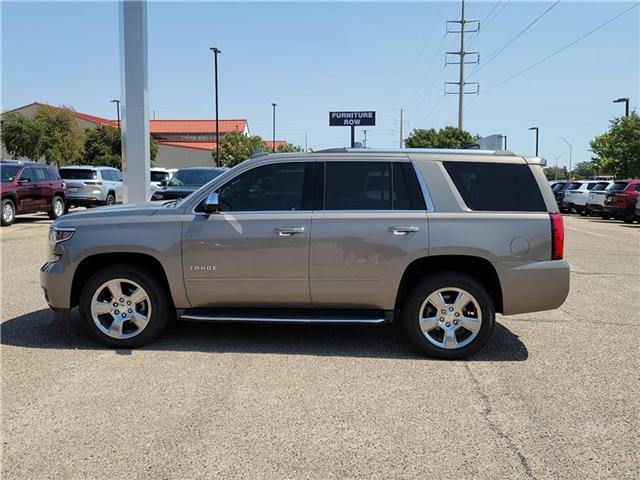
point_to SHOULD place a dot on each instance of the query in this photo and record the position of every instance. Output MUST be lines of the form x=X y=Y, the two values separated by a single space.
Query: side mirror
x=211 y=203
x=24 y=180
x=163 y=183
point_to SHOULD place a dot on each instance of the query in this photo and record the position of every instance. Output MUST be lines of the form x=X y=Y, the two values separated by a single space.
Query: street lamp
x=570 y=151
x=216 y=51
x=537 y=133
x=626 y=104
x=117 y=102
x=557 y=157
x=273 y=147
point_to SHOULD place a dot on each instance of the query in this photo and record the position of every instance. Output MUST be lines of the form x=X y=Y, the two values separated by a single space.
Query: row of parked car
x=31 y=187
x=619 y=199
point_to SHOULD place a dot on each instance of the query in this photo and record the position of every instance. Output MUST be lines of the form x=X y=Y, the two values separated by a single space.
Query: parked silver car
x=90 y=186
x=438 y=240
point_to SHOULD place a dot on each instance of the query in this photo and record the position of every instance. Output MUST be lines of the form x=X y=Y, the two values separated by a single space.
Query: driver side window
x=276 y=187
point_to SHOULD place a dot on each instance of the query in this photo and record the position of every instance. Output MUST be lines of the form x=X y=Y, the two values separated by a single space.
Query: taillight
x=557 y=236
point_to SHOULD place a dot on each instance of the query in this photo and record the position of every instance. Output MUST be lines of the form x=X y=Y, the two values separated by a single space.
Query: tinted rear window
x=591 y=186
x=496 y=187
x=158 y=176
x=617 y=186
x=357 y=186
x=574 y=185
x=9 y=172
x=600 y=186
x=77 y=174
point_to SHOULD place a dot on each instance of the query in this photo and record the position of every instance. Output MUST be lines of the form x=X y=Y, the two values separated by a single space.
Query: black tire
x=11 y=212
x=111 y=199
x=161 y=307
x=413 y=304
x=52 y=211
x=605 y=217
x=628 y=220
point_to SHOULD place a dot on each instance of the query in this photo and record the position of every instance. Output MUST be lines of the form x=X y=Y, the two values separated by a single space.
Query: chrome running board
x=280 y=316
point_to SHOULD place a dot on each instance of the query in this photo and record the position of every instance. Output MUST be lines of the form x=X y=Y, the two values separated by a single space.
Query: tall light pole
x=626 y=104
x=117 y=102
x=537 y=133
x=570 y=153
x=364 y=141
x=216 y=51
x=273 y=147
x=557 y=157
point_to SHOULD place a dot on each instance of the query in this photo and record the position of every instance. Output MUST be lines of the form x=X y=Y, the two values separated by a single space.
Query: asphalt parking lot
x=554 y=394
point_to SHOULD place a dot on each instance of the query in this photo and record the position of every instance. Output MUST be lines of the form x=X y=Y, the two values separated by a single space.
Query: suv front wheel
x=124 y=307
x=57 y=208
x=449 y=316
x=8 y=212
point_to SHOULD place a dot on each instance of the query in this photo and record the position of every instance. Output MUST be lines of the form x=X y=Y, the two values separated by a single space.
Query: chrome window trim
x=423 y=186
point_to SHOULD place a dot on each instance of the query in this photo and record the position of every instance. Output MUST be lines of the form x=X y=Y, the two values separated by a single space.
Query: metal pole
x=401 y=121
x=306 y=149
x=216 y=51
x=461 y=94
x=135 y=135
x=353 y=136
x=273 y=147
x=570 y=153
x=364 y=141
x=505 y=142
x=537 y=131
x=117 y=102
x=626 y=104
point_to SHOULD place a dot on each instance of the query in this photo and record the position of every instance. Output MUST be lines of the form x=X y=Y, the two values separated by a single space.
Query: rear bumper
x=534 y=287
x=618 y=211
x=84 y=201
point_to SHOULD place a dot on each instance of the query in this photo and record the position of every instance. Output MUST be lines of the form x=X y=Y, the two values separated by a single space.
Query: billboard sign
x=352 y=119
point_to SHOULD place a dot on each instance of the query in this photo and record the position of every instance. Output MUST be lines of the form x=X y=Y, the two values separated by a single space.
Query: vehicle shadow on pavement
x=41 y=329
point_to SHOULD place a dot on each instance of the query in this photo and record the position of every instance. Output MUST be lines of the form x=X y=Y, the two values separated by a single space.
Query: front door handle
x=288 y=231
x=399 y=230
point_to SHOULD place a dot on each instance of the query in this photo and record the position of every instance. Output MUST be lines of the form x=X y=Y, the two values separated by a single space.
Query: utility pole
x=273 y=146
x=306 y=149
x=570 y=153
x=216 y=51
x=364 y=141
x=474 y=57
x=401 y=133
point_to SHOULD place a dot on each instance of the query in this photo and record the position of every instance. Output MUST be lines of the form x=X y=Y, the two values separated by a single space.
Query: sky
x=312 y=58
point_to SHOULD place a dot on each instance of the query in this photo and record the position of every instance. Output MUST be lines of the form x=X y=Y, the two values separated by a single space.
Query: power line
x=426 y=73
x=493 y=55
x=561 y=49
x=427 y=92
x=475 y=35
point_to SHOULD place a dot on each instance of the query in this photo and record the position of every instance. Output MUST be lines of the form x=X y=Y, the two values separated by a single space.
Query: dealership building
x=181 y=143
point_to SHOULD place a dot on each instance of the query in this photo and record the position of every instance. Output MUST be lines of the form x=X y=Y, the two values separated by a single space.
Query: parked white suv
x=575 y=196
x=89 y=186
x=595 y=199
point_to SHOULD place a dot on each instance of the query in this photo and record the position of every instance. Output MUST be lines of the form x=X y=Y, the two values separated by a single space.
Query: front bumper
x=55 y=282
x=533 y=287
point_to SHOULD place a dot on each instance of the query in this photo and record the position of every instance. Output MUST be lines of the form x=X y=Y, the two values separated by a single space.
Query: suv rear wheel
x=111 y=199
x=449 y=316
x=8 y=212
x=123 y=306
x=57 y=208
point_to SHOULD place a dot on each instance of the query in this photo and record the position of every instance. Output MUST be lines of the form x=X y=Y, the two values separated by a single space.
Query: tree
x=236 y=147
x=584 y=170
x=618 y=150
x=61 y=140
x=103 y=147
x=448 y=137
x=550 y=173
x=288 y=148
x=21 y=136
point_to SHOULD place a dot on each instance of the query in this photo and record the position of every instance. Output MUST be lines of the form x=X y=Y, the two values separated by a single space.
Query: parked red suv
x=29 y=187
x=621 y=199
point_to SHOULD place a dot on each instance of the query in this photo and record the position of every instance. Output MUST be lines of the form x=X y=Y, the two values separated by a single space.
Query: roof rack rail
x=457 y=151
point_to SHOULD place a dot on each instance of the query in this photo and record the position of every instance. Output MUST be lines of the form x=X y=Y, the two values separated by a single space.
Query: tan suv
x=439 y=240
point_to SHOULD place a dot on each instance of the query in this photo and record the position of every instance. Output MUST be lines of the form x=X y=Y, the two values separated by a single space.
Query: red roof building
x=181 y=142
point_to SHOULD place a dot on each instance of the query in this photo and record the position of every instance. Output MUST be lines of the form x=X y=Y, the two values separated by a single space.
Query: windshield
x=158 y=176
x=617 y=186
x=194 y=177
x=77 y=174
x=558 y=186
x=9 y=172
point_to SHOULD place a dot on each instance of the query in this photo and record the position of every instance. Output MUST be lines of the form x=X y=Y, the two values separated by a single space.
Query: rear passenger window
x=407 y=194
x=357 y=186
x=496 y=187
x=40 y=175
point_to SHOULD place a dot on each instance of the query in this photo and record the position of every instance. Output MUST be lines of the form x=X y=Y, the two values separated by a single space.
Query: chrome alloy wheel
x=8 y=213
x=58 y=207
x=120 y=308
x=450 y=318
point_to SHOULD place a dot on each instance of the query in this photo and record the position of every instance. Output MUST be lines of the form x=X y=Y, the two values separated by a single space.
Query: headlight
x=59 y=234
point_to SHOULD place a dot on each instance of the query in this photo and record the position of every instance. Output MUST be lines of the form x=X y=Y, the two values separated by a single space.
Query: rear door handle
x=401 y=230
x=288 y=231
